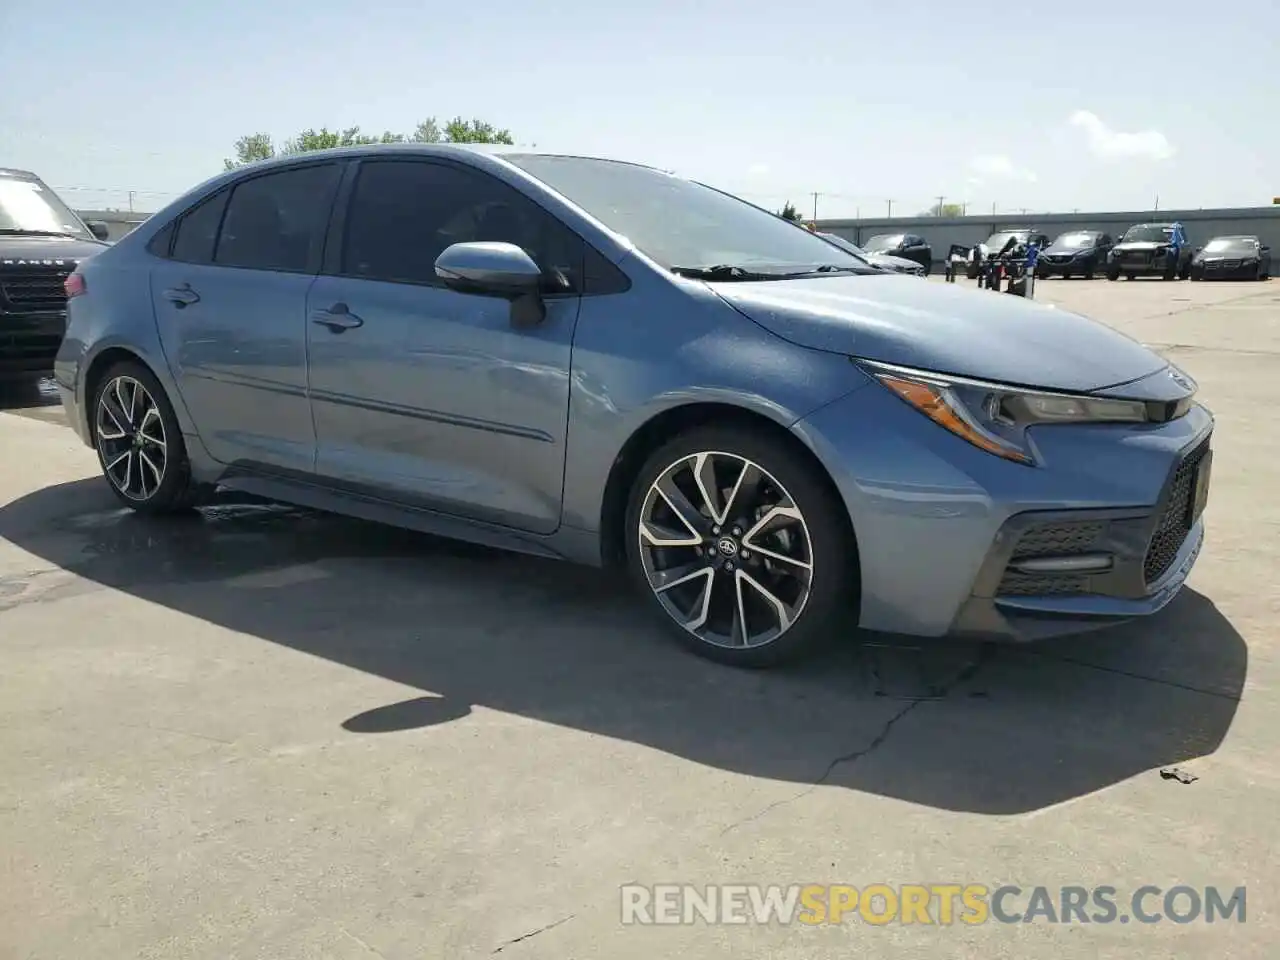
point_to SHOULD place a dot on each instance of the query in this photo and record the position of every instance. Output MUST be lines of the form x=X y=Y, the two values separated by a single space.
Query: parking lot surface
x=266 y=733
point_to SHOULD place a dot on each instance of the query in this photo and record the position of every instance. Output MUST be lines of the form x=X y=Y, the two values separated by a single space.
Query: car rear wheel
x=740 y=547
x=1113 y=273
x=139 y=441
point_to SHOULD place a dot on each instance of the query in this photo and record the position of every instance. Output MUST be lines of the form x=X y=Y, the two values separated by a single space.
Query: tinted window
x=198 y=229
x=277 y=221
x=678 y=222
x=404 y=214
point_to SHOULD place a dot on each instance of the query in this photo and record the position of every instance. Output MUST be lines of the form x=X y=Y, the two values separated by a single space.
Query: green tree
x=256 y=147
x=944 y=210
x=789 y=212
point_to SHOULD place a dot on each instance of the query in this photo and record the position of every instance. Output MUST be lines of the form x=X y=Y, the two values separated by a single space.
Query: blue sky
x=1103 y=106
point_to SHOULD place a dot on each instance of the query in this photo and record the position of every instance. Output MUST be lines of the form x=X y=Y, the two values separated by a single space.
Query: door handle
x=337 y=318
x=182 y=296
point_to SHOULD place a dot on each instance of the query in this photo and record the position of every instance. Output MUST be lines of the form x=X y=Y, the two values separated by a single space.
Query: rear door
x=230 y=300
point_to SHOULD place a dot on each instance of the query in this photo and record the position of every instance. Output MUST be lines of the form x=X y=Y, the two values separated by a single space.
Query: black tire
x=175 y=492
x=1066 y=274
x=832 y=599
x=1088 y=272
x=1113 y=273
x=1131 y=276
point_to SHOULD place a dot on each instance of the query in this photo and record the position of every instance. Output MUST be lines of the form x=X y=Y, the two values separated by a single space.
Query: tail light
x=74 y=285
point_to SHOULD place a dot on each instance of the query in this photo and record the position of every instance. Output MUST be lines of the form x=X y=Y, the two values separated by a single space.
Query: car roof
x=431 y=150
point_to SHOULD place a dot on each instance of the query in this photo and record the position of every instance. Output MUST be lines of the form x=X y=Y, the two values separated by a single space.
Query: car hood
x=1068 y=251
x=17 y=251
x=947 y=329
x=890 y=262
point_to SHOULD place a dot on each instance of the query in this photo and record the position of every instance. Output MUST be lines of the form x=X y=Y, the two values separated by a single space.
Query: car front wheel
x=741 y=547
x=139 y=441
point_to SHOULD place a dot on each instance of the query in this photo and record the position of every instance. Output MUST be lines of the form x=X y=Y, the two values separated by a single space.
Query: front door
x=230 y=301
x=431 y=397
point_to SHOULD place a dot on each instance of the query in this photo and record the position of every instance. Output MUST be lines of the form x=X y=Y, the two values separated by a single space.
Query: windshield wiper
x=724 y=271
x=19 y=232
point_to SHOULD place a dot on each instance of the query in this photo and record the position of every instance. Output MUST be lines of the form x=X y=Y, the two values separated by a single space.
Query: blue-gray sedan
x=605 y=363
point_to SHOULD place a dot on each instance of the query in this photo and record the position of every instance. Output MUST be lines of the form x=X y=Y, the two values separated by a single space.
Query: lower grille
x=37 y=289
x=1175 y=522
x=1058 y=539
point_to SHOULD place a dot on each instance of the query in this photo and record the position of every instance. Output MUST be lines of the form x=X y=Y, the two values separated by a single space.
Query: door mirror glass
x=489 y=268
x=98 y=229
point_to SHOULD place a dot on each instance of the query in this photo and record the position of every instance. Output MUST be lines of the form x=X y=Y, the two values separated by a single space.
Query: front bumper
x=1142 y=264
x=1225 y=269
x=29 y=342
x=949 y=536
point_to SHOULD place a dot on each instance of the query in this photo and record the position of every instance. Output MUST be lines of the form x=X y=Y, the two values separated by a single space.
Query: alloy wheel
x=131 y=440
x=725 y=550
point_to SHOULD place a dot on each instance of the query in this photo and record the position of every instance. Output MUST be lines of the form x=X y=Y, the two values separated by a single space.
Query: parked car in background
x=882 y=260
x=908 y=246
x=41 y=241
x=992 y=246
x=1149 y=249
x=603 y=362
x=1232 y=258
x=1077 y=253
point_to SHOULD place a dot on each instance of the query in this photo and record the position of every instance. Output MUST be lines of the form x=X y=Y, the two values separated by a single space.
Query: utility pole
x=940 y=199
x=889 y=210
x=993 y=208
x=964 y=209
x=131 y=193
x=1157 y=206
x=815 y=208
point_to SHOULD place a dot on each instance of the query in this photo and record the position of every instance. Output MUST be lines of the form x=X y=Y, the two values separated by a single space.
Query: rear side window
x=198 y=230
x=277 y=221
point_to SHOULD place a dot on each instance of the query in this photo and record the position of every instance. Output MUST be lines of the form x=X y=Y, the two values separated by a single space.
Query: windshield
x=883 y=243
x=680 y=223
x=1147 y=233
x=844 y=244
x=28 y=206
x=1231 y=245
x=1075 y=241
x=997 y=240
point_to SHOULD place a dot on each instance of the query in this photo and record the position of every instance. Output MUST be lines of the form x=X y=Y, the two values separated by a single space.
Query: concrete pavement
x=263 y=732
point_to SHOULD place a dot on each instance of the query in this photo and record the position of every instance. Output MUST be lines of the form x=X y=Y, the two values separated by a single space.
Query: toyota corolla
x=605 y=363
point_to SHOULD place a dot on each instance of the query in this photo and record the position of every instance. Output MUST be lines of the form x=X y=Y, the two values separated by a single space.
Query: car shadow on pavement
x=952 y=725
x=25 y=394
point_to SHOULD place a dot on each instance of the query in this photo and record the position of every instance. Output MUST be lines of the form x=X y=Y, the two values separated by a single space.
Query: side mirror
x=493 y=269
x=99 y=229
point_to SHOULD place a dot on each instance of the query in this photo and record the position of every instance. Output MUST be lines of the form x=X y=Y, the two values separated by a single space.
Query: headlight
x=995 y=417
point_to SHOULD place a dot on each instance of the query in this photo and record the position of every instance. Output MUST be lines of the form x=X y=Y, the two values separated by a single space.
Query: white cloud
x=997 y=167
x=1108 y=144
x=758 y=169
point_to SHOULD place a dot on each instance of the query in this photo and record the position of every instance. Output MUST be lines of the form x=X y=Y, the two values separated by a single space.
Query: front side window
x=679 y=223
x=277 y=221
x=405 y=213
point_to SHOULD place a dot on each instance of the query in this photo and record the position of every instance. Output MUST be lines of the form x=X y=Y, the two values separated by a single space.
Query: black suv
x=41 y=242
x=1145 y=250
x=908 y=246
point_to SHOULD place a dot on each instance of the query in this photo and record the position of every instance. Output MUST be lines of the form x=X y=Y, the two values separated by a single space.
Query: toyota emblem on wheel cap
x=727 y=547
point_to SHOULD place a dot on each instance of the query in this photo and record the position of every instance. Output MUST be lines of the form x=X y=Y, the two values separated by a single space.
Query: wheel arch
x=671 y=423
x=94 y=373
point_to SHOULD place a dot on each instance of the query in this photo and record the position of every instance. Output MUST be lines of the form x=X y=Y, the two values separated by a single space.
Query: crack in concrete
x=534 y=933
x=962 y=676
